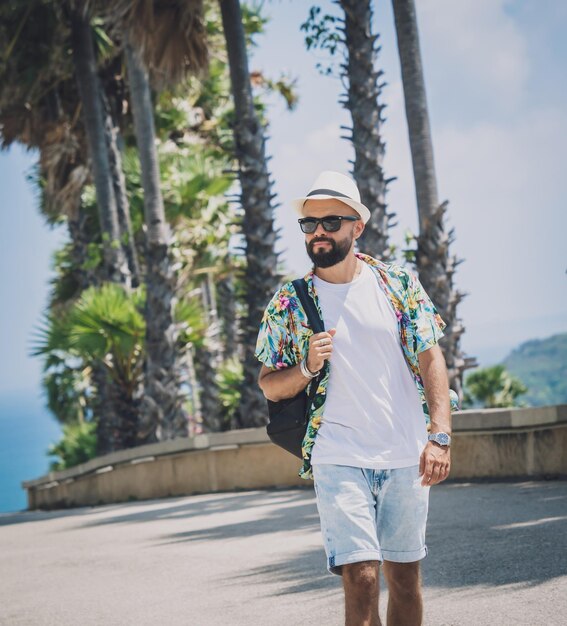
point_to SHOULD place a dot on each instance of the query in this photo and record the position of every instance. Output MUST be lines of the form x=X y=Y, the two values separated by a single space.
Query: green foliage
x=189 y=314
x=494 y=387
x=229 y=378
x=103 y=43
x=107 y=321
x=78 y=445
x=408 y=253
x=104 y=326
x=253 y=20
x=285 y=86
x=322 y=32
x=102 y=329
x=67 y=385
x=541 y=364
x=66 y=284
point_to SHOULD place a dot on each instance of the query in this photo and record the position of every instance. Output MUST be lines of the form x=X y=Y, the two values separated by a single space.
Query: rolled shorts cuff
x=334 y=563
x=405 y=557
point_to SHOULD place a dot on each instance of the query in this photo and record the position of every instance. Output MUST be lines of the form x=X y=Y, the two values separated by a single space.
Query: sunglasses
x=331 y=223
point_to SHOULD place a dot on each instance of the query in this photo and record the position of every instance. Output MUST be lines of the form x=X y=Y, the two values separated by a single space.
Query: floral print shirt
x=283 y=339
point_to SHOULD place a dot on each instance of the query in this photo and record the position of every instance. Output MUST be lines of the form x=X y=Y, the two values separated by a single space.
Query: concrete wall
x=494 y=443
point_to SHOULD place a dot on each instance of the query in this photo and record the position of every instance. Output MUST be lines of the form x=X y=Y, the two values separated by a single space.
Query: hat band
x=327 y=192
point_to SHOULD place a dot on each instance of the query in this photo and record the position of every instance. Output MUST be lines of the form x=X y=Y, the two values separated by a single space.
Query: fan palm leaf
x=169 y=35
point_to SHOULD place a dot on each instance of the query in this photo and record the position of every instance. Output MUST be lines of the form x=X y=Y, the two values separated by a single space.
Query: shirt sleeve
x=273 y=346
x=428 y=325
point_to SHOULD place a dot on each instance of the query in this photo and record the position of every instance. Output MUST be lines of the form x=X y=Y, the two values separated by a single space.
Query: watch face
x=442 y=439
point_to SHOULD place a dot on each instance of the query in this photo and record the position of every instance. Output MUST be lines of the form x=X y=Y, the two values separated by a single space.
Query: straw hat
x=334 y=185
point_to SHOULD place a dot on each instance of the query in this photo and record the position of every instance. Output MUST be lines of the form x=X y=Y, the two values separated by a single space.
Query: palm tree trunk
x=116 y=267
x=77 y=224
x=105 y=410
x=361 y=101
x=209 y=400
x=228 y=316
x=208 y=357
x=119 y=186
x=162 y=413
x=261 y=275
x=434 y=266
x=196 y=418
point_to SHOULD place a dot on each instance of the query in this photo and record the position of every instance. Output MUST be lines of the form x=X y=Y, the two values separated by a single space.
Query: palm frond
x=170 y=35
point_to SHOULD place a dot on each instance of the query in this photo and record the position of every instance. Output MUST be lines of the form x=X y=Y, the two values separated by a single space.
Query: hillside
x=541 y=364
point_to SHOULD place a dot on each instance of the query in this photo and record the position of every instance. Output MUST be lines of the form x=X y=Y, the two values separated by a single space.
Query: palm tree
x=102 y=331
x=166 y=41
x=40 y=107
x=163 y=416
x=261 y=275
x=93 y=116
x=114 y=141
x=361 y=100
x=495 y=387
x=434 y=265
x=352 y=37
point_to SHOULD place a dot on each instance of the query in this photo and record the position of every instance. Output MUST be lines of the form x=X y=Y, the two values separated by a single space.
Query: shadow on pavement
x=496 y=534
x=487 y=534
x=301 y=573
x=203 y=506
x=479 y=534
x=181 y=506
x=297 y=512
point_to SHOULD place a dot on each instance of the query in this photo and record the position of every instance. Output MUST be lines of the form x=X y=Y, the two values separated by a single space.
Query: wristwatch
x=443 y=439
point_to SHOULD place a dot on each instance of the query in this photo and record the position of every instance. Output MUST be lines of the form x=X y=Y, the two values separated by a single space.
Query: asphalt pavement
x=497 y=556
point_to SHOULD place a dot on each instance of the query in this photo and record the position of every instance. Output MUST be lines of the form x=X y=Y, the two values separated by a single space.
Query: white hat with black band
x=334 y=185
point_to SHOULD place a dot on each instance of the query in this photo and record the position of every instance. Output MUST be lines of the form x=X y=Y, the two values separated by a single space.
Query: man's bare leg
x=405 y=605
x=361 y=582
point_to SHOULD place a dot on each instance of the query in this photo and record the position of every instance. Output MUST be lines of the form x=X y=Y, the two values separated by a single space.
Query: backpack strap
x=318 y=326
x=308 y=305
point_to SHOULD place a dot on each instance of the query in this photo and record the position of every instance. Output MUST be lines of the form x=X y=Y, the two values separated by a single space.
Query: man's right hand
x=289 y=381
x=320 y=349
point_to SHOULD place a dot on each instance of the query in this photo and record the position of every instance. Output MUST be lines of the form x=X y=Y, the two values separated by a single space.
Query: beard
x=329 y=257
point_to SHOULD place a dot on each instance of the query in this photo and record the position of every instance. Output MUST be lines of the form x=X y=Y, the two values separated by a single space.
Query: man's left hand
x=434 y=464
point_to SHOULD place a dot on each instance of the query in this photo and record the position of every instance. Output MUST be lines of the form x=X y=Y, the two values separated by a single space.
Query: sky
x=497 y=99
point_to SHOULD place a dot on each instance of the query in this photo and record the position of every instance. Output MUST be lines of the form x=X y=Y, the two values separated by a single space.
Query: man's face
x=325 y=248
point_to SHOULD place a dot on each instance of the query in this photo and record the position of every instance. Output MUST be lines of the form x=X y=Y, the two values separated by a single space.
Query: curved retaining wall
x=491 y=443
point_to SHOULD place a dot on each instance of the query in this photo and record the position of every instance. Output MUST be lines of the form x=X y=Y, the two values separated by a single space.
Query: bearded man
x=379 y=426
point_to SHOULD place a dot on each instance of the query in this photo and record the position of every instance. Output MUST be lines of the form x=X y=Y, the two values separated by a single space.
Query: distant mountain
x=541 y=364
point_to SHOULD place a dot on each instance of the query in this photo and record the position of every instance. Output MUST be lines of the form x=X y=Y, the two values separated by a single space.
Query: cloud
x=475 y=45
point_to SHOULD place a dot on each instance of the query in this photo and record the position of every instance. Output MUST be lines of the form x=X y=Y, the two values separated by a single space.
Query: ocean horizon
x=27 y=428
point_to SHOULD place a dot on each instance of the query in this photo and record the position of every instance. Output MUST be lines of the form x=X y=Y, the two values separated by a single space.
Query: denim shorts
x=371 y=515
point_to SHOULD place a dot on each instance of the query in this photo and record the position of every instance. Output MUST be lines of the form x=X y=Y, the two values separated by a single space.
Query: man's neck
x=342 y=272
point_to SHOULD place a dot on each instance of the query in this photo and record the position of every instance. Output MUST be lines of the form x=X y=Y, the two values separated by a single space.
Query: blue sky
x=498 y=105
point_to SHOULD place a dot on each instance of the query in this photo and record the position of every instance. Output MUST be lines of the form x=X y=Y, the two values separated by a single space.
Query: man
x=373 y=462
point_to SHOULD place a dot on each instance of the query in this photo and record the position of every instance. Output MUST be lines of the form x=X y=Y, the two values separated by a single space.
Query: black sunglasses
x=331 y=223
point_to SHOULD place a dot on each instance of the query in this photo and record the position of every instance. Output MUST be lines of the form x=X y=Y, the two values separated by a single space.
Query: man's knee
x=403 y=579
x=363 y=576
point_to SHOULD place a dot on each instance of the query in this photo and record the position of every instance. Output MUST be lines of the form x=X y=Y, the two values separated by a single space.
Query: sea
x=27 y=428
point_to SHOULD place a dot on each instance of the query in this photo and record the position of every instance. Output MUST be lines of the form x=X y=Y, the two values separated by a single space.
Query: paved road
x=497 y=556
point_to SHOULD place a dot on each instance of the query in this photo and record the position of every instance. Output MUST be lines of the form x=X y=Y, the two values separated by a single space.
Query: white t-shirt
x=373 y=416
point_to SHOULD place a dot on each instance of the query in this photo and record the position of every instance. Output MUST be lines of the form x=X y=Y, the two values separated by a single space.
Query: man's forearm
x=433 y=371
x=281 y=384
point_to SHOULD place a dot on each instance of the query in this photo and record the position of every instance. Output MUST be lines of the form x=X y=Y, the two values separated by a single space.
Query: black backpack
x=289 y=417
